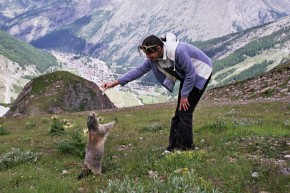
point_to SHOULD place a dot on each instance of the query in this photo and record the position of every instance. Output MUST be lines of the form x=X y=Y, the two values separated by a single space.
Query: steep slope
x=24 y=54
x=246 y=54
x=19 y=62
x=271 y=85
x=221 y=47
x=31 y=19
x=59 y=92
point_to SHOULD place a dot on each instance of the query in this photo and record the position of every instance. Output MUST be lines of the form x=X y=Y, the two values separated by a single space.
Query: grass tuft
x=58 y=126
x=16 y=157
x=3 y=131
x=74 y=145
x=153 y=127
x=29 y=125
x=176 y=182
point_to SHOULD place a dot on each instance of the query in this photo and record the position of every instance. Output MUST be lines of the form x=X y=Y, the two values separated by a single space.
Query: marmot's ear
x=100 y=119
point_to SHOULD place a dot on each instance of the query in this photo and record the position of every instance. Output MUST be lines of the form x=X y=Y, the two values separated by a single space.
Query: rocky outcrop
x=59 y=92
x=272 y=85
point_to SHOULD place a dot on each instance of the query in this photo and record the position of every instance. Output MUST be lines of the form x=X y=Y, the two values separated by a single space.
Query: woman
x=171 y=60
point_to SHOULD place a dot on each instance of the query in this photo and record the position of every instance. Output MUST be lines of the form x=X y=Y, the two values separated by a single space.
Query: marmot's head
x=93 y=121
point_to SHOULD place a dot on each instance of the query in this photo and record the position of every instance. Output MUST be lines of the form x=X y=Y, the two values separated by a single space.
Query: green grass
x=25 y=54
x=233 y=140
x=42 y=82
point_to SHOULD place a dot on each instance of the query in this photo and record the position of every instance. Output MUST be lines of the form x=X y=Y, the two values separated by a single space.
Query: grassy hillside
x=241 y=148
x=25 y=54
x=42 y=82
x=273 y=84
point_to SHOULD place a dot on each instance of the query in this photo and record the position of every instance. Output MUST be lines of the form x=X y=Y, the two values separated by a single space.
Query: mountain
x=19 y=63
x=24 y=54
x=245 y=54
x=32 y=19
x=111 y=30
x=58 y=92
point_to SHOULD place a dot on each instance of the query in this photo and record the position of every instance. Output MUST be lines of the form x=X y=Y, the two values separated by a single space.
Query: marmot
x=95 y=147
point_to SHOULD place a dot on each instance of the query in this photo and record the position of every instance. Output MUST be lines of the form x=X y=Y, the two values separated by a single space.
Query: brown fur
x=95 y=148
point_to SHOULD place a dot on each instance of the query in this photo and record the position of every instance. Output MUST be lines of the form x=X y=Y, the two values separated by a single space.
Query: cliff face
x=59 y=92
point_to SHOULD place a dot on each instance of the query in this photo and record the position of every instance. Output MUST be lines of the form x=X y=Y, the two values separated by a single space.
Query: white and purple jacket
x=191 y=64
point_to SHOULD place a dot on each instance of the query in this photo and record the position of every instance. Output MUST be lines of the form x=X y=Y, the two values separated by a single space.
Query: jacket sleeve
x=135 y=73
x=186 y=67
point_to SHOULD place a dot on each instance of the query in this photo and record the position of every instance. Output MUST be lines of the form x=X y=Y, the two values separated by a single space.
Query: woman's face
x=154 y=55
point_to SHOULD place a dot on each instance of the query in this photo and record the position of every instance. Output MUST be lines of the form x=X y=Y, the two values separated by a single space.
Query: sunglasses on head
x=148 y=48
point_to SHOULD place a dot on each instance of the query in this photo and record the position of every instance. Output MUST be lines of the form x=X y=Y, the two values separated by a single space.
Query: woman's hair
x=150 y=44
x=152 y=40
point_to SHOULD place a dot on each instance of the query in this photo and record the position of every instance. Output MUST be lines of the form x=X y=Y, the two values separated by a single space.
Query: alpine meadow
x=242 y=147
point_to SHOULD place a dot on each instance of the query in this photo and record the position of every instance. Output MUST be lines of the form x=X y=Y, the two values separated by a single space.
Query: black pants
x=181 y=135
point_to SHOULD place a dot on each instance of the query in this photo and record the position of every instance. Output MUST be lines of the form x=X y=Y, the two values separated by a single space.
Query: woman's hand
x=107 y=85
x=184 y=104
